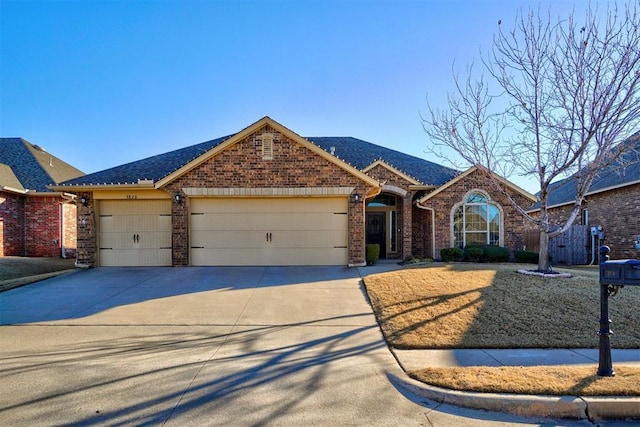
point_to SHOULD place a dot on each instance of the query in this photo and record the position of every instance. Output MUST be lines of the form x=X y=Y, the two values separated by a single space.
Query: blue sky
x=101 y=83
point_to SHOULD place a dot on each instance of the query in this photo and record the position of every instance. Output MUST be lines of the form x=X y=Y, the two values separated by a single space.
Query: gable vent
x=267 y=146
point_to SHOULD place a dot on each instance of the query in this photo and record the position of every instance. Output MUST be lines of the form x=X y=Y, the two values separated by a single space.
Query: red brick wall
x=42 y=227
x=242 y=166
x=618 y=212
x=11 y=224
x=443 y=202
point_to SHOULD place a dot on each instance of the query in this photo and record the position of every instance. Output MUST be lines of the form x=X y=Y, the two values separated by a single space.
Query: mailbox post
x=614 y=275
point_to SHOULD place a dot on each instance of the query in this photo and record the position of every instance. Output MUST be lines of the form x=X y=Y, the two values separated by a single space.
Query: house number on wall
x=131 y=197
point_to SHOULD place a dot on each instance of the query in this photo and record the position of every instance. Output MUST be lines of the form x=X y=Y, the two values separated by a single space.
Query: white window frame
x=463 y=203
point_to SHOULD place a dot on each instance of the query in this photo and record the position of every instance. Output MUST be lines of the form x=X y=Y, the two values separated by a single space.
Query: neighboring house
x=612 y=205
x=35 y=221
x=267 y=196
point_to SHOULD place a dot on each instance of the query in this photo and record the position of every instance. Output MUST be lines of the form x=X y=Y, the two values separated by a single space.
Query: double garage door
x=269 y=231
x=227 y=231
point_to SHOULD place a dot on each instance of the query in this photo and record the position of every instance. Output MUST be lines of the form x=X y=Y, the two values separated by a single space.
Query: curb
x=590 y=408
x=7 y=285
x=523 y=405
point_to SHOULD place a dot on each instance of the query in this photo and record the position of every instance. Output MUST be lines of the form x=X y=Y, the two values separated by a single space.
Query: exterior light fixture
x=178 y=198
x=355 y=198
x=84 y=201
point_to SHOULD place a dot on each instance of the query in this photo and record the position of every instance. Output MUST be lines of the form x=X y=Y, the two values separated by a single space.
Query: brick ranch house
x=612 y=204
x=267 y=196
x=35 y=221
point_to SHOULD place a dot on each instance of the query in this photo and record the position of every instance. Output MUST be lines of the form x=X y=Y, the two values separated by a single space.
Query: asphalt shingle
x=33 y=167
x=623 y=171
x=355 y=152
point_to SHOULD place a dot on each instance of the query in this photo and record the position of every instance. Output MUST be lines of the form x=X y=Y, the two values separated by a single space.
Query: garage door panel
x=135 y=232
x=219 y=256
x=135 y=223
x=269 y=256
x=269 y=231
x=136 y=257
x=144 y=240
x=228 y=221
x=309 y=239
x=268 y=222
x=133 y=207
x=228 y=239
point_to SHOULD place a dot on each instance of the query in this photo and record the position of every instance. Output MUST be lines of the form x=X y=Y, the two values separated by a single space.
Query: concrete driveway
x=201 y=346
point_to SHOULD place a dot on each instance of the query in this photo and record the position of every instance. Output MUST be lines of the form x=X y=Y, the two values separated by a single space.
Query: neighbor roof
x=623 y=172
x=355 y=152
x=27 y=167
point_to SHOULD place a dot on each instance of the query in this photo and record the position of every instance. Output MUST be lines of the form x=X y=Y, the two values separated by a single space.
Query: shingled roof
x=624 y=171
x=27 y=167
x=152 y=168
x=361 y=154
x=356 y=152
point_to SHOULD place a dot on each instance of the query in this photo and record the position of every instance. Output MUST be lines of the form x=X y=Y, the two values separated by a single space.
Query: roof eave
x=13 y=190
x=468 y=172
x=93 y=187
x=590 y=193
x=394 y=170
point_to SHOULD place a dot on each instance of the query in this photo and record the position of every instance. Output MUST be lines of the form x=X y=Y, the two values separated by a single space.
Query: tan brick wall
x=443 y=202
x=70 y=229
x=421 y=234
x=87 y=251
x=405 y=209
x=242 y=166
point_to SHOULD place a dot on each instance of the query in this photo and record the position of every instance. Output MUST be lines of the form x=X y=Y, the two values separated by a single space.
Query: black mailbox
x=621 y=272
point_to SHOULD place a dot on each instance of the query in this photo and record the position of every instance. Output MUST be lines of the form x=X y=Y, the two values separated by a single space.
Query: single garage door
x=135 y=232
x=269 y=231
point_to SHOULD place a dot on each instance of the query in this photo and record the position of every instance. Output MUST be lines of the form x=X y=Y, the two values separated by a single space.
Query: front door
x=375 y=230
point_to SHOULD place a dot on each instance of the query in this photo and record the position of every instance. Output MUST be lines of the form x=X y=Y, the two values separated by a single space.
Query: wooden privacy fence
x=569 y=248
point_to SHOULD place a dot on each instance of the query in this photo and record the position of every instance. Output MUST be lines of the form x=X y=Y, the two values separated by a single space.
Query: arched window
x=476 y=221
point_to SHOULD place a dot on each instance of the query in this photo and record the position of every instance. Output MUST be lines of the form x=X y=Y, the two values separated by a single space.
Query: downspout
x=63 y=252
x=433 y=228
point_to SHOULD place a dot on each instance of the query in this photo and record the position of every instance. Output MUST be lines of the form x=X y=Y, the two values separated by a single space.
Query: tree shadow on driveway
x=249 y=375
x=86 y=293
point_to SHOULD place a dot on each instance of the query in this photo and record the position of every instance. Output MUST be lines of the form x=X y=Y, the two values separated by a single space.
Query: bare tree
x=554 y=99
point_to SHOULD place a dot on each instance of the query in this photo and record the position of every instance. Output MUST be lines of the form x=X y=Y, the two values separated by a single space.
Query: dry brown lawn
x=492 y=306
x=538 y=380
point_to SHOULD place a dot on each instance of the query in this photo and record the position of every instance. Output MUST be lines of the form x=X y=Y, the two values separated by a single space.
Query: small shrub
x=416 y=260
x=473 y=254
x=373 y=253
x=526 y=257
x=496 y=254
x=451 y=254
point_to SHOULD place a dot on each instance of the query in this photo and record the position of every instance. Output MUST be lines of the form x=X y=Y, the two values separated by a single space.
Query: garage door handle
x=269 y=237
